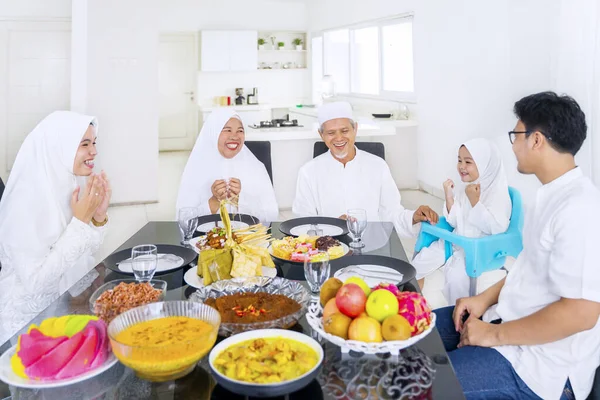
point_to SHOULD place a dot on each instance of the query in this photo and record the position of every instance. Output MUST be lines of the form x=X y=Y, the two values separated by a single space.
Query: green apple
x=381 y=304
x=363 y=285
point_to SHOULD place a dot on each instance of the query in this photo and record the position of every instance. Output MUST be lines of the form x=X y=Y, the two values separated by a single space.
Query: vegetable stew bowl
x=171 y=361
x=265 y=389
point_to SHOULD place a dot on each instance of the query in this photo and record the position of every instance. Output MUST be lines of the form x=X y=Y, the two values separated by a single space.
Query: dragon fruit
x=388 y=286
x=61 y=348
x=415 y=309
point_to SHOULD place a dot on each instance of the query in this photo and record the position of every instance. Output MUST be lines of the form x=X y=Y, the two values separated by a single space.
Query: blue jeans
x=482 y=372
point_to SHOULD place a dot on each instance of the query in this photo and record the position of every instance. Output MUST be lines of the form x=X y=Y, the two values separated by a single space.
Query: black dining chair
x=375 y=148
x=262 y=151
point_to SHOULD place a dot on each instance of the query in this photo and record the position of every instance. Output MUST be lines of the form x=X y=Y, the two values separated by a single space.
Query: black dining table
x=422 y=371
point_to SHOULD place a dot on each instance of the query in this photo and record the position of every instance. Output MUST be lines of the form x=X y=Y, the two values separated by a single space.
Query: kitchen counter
x=366 y=128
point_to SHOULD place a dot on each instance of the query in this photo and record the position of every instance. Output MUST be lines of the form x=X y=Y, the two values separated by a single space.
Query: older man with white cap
x=346 y=177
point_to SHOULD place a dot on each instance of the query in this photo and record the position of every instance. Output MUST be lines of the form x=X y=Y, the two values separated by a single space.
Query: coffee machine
x=253 y=97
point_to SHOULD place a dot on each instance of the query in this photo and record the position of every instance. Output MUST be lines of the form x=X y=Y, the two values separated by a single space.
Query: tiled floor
x=126 y=220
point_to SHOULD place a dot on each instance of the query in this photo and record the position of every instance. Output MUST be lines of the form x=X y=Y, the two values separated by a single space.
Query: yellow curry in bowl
x=266 y=360
x=163 y=348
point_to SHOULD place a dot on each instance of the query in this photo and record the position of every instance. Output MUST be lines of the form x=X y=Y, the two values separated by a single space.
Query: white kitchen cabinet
x=228 y=51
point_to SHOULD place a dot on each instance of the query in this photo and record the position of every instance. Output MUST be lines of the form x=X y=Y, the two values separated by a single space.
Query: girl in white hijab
x=480 y=206
x=49 y=226
x=221 y=167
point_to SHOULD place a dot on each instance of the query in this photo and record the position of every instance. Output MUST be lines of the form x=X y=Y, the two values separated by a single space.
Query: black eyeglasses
x=512 y=135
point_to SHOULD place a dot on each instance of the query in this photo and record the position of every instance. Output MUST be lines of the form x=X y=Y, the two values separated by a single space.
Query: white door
x=243 y=53
x=35 y=80
x=178 y=123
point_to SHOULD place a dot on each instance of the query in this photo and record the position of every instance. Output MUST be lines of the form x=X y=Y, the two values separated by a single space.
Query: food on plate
x=396 y=327
x=330 y=308
x=365 y=329
x=324 y=243
x=385 y=314
x=351 y=300
x=61 y=348
x=243 y=253
x=215 y=239
x=360 y=282
x=253 y=307
x=381 y=304
x=164 y=345
x=329 y=289
x=337 y=324
x=123 y=297
x=268 y=360
x=298 y=248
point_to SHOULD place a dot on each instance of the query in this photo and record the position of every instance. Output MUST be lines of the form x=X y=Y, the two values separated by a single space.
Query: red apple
x=351 y=300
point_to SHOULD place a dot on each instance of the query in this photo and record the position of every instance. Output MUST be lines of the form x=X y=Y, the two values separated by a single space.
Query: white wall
x=35 y=8
x=121 y=89
x=473 y=60
x=193 y=15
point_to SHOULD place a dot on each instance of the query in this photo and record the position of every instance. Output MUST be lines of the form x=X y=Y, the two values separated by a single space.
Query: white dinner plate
x=373 y=275
x=8 y=376
x=171 y=261
x=192 y=278
x=328 y=230
x=345 y=248
x=209 y=225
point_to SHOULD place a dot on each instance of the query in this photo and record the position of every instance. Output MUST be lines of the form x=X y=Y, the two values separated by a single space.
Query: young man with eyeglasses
x=541 y=338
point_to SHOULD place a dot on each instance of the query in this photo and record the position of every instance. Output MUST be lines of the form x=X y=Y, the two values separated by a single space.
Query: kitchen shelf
x=281 y=69
x=281 y=51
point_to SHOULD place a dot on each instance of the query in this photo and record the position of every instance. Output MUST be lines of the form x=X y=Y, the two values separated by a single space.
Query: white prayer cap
x=329 y=111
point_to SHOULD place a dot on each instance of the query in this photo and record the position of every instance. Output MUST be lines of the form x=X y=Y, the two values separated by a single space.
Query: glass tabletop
x=422 y=371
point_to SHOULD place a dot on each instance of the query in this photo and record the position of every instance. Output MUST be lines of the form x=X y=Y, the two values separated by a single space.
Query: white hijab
x=492 y=178
x=35 y=208
x=206 y=165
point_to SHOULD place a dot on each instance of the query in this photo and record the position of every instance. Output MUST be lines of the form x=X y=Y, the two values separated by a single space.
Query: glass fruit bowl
x=178 y=356
x=292 y=289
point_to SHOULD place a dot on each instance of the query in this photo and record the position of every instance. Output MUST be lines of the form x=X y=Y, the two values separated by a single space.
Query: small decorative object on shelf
x=261 y=43
x=281 y=45
x=298 y=43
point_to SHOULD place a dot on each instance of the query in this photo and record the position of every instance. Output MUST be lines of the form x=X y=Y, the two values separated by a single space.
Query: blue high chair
x=481 y=254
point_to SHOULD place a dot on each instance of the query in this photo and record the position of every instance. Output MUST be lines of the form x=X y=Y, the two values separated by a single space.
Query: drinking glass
x=144 y=259
x=357 y=223
x=187 y=218
x=316 y=270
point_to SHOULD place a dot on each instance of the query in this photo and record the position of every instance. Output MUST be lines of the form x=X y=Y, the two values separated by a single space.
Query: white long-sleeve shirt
x=28 y=286
x=559 y=260
x=328 y=188
x=475 y=221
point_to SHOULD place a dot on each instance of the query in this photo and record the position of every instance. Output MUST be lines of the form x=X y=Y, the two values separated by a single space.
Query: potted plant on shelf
x=298 y=43
x=261 y=43
x=280 y=45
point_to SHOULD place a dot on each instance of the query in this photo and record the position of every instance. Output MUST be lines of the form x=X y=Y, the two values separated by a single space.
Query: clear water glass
x=316 y=270
x=144 y=260
x=187 y=218
x=357 y=223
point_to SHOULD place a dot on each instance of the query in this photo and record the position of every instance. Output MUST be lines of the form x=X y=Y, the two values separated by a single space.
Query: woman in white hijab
x=221 y=167
x=478 y=207
x=49 y=226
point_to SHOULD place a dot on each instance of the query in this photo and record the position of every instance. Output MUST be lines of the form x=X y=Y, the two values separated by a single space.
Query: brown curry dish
x=253 y=307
